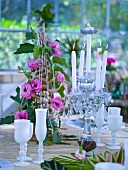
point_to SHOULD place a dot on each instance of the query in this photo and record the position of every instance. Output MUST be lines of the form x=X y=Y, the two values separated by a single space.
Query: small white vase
x=40 y=131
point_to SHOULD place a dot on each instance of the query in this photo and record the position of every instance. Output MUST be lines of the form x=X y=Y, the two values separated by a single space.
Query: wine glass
x=99 y=122
x=114 y=111
x=40 y=131
x=27 y=158
x=22 y=135
x=114 y=125
x=1 y=110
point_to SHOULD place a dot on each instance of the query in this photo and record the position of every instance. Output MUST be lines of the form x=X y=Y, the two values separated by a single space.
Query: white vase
x=40 y=131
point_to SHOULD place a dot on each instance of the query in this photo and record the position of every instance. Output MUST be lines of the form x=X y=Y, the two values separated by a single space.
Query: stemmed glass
x=1 y=110
x=27 y=158
x=40 y=131
x=114 y=111
x=99 y=122
x=22 y=135
x=114 y=125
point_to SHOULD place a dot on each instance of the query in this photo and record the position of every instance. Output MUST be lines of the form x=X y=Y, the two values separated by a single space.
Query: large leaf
x=57 y=140
x=7 y=120
x=52 y=165
x=60 y=61
x=29 y=36
x=37 y=51
x=17 y=97
x=45 y=14
x=57 y=68
x=25 y=48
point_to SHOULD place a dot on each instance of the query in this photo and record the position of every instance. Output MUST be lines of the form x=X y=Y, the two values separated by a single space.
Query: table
x=9 y=148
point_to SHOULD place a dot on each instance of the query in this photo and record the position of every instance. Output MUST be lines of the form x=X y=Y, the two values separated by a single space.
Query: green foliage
x=52 y=165
x=60 y=61
x=45 y=14
x=25 y=48
x=7 y=120
x=17 y=97
x=37 y=51
x=26 y=73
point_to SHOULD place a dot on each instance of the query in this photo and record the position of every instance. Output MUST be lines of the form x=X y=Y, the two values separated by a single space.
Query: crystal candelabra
x=86 y=101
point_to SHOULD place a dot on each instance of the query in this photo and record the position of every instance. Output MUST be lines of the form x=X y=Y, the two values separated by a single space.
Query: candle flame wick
x=106 y=46
x=73 y=46
x=88 y=25
x=84 y=46
x=100 y=44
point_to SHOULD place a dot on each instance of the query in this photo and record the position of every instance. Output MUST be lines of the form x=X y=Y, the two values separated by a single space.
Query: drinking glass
x=22 y=135
x=40 y=131
x=114 y=125
x=108 y=165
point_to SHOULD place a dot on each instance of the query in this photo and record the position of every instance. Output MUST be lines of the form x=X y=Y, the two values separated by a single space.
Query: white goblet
x=22 y=135
x=40 y=131
x=108 y=165
x=27 y=158
x=99 y=120
x=1 y=110
x=114 y=111
x=126 y=155
x=114 y=125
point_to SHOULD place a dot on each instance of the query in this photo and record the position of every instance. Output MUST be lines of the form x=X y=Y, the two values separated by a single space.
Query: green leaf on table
x=48 y=142
x=25 y=48
x=57 y=140
x=37 y=51
x=60 y=61
x=7 y=120
x=57 y=68
x=102 y=51
x=17 y=97
x=52 y=165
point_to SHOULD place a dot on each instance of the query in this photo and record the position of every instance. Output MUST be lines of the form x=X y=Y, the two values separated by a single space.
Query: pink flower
x=21 y=115
x=57 y=103
x=36 y=85
x=26 y=91
x=111 y=60
x=126 y=96
x=97 y=55
x=33 y=64
x=79 y=155
x=54 y=45
x=60 y=77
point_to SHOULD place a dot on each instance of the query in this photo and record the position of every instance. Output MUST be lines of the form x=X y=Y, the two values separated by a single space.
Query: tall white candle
x=103 y=70
x=73 y=61
x=81 y=65
x=98 y=70
x=88 y=53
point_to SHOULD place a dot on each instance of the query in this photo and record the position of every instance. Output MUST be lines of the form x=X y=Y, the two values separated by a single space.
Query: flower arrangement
x=45 y=74
x=111 y=64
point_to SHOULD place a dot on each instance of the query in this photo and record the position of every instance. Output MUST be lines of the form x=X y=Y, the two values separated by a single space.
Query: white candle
x=88 y=53
x=81 y=65
x=103 y=71
x=73 y=61
x=98 y=70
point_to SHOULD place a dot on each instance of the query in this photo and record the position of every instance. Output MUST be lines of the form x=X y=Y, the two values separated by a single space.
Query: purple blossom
x=23 y=114
x=56 y=103
x=33 y=64
x=60 y=77
x=26 y=91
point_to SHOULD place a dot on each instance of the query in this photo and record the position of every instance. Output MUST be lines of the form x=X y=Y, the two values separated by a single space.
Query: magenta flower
x=36 y=85
x=23 y=114
x=111 y=60
x=33 y=64
x=54 y=45
x=80 y=155
x=57 y=103
x=60 y=77
x=97 y=55
x=126 y=96
x=26 y=91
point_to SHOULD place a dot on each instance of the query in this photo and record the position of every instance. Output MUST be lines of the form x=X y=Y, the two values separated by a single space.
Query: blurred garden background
x=108 y=17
